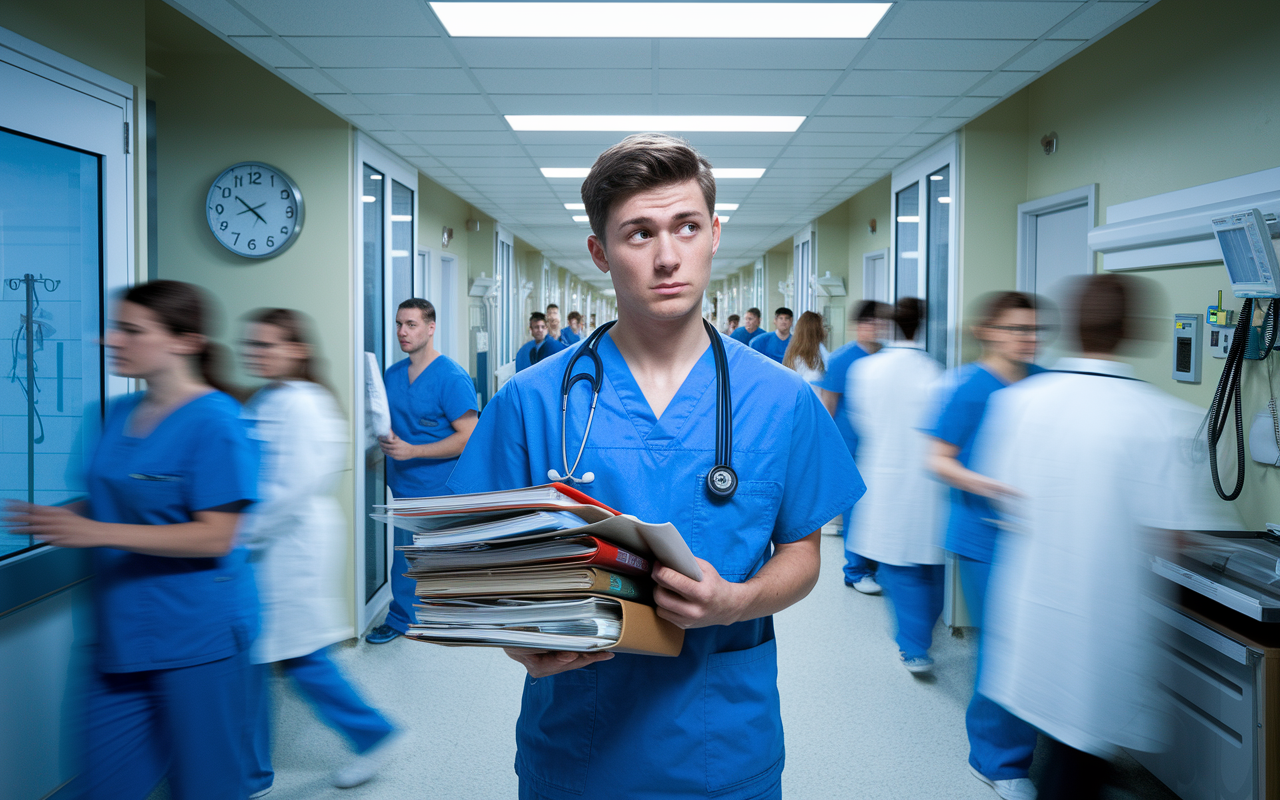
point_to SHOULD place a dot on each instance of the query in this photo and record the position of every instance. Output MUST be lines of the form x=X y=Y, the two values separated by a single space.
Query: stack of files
x=544 y=568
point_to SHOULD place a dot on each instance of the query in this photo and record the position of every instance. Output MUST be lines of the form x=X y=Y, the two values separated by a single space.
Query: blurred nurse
x=174 y=599
x=297 y=539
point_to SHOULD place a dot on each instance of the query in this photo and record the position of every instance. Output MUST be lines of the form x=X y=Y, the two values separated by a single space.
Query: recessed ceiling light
x=582 y=218
x=734 y=172
x=575 y=206
x=566 y=172
x=722 y=218
x=582 y=172
x=368 y=198
x=944 y=199
x=642 y=122
x=935 y=177
x=695 y=20
x=726 y=206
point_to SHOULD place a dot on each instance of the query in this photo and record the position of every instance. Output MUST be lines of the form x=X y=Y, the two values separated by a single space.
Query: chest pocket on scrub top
x=734 y=534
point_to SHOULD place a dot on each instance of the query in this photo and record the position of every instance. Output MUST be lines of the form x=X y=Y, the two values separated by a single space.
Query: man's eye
x=689 y=227
x=640 y=235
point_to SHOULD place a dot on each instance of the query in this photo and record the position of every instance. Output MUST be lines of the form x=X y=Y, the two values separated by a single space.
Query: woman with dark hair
x=174 y=599
x=297 y=540
x=806 y=354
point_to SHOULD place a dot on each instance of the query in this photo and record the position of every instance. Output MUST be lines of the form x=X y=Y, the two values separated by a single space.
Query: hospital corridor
x=740 y=400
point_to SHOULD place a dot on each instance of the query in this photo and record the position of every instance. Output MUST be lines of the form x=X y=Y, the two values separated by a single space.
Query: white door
x=1054 y=251
x=875 y=277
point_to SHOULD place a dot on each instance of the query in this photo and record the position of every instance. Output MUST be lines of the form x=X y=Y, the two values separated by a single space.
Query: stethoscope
x=722 y=481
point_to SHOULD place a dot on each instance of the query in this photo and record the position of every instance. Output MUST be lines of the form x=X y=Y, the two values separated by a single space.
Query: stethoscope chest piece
x=722 y=482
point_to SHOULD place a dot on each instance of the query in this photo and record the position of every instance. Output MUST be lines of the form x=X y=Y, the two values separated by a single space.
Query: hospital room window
x=376 y=327
x=51 y=303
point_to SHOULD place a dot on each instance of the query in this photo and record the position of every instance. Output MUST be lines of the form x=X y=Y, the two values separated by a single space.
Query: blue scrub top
x=836 y=380
x=706 y=722
x=771 y=346
x=423 y=412
x=960 y=410
x=746 y=337
x=155 y=612
x=568 y=337
x=525 y=357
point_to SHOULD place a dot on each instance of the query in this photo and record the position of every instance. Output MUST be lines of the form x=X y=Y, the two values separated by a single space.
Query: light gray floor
x=857 y=724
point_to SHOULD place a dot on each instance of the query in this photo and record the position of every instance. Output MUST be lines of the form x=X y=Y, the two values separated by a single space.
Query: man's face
x=870 y=331
x=412 y=331
x=539 y=330
x=783 y=323
x=752 y=322
x=575 y=325
x=657 y=248
x=553 y=319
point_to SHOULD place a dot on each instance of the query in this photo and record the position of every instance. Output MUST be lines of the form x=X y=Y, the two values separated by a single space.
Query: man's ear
x=595 y=245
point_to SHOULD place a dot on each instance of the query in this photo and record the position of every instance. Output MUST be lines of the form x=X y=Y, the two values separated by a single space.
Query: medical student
x=750 y=327
x=734 y=319
x=897 y=523
x=573 y=333
x=174 y=599
x=1000 y=744
x=706 y=723
x=433 y=412
x=868 y=318
x=553 y=325
x=774 y=345
x=806 y=354
x=297 y=541
x=542 y=345
x=1067 y=645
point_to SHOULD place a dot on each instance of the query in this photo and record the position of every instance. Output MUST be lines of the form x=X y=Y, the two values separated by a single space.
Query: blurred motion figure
x=806 y=354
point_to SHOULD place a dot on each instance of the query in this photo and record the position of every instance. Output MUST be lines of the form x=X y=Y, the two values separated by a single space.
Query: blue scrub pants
x=916 y=591
x=193 y=723
x=333 y=698
x=1000 y=744
x=400 y=614
x=528 y=792
x=855 y=566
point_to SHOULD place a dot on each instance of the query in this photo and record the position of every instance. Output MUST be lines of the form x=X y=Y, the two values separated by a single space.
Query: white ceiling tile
x=884 y=163
x=813 y=151
x=341 y=18
x=909 y=82
x=370 y=122
x=403 y=81
x=480 y=53
x=1095 y=20
x=969 y=107
x=406 y=150
x=343 y=103
x=784 y=105
x=488 y=123
x=900 y=152
x=746 y=81
x=374 y=51
x=600 y=139
x=422 y=162
x=219 y=16
x=918 y=139
x=940 y=54
x=576 y=152
x=933 y=19
x=431 y=104
x=569 y=103
x=744 y=151
x=462 y=155
x=435 y=138
x=565 y=81
x=310 y=80
x=757 y=53
x=269 y=50
x=863 y=124
x=940 y=125
x=1004 y=83
x=811 y=136
x=394 y=138
x=1045 y=55
x=850 y=106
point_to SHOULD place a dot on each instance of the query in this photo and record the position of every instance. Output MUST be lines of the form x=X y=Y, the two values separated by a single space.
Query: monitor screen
x=1237 y=254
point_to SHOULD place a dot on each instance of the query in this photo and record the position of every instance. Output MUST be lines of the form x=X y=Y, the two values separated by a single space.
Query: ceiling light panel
x=636 y=123
x=757 y=54
x=695 y=20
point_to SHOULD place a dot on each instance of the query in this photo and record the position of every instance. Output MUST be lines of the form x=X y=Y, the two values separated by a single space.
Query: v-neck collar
x=656 y=431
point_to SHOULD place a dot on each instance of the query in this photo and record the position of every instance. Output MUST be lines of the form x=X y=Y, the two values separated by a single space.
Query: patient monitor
x=1249 y=252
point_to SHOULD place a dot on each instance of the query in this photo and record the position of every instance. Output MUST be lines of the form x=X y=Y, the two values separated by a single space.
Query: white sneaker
x=922 y=665
x=1012 y=789
x=362 y=768
x=867 y=585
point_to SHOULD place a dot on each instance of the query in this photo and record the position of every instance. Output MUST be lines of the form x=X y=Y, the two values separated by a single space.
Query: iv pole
x=50 y=285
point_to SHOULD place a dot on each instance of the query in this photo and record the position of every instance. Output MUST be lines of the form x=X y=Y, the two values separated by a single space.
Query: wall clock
x=254 y=210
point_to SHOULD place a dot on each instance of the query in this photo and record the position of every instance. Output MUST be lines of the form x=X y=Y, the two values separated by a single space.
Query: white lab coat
x=295 y=533
x=888 y=396
x=1066 y=643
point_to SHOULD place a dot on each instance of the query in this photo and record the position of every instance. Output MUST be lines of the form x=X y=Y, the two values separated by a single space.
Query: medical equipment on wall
x=722 y=481
x=35 y=326
x=1252 y=265
x=1186 y=348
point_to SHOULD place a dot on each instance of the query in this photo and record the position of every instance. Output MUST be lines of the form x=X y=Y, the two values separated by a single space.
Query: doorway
x=1053 y=250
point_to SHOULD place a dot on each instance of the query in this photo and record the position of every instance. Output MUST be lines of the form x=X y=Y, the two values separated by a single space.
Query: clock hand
x=251 y=209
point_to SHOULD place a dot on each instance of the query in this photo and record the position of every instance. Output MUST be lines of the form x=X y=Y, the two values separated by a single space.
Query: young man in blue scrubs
x=750 y=329
x=573 y=333
x=774 y=345
x=433 y=411
x=543 y=344
x=869 y=319
x=708 y=721
x=1000 y=744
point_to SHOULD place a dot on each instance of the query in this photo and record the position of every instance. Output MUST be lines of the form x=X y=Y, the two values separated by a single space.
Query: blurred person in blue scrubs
x=869 y=326
x=174 y=600
x=897 y=523
x=542 y=345
x=807 y=354
x=750 y=327
x=1000 y=744
x=562 y=335
x=708 y=722
x=734 y=321
x=573 y=333
x=1089 y=453
x=297 y=541
x=433 y=412
x=774 y=345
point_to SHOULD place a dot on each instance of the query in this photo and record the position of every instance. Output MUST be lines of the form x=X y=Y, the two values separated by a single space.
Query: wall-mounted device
x=1219 y=342
x=1248 y=252
x=1186 y=348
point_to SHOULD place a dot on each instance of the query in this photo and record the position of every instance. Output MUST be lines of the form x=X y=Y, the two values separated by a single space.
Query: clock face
x=254 y=210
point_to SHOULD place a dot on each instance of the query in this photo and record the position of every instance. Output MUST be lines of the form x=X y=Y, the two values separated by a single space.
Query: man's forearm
x=448 y=447
x=785 y=580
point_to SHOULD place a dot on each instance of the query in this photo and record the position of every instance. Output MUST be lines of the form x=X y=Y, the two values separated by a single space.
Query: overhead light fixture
x=402 y=218
x=726 y=206
x=368 y=198
x=582 y=218
x=575 y=206
x=723 y=218
x=653 y=122
x=935 y=177
x=944 y=199
x=566 y=172
x=719 y=173
x=375 y=177
x=908 y=219
x=696 y=20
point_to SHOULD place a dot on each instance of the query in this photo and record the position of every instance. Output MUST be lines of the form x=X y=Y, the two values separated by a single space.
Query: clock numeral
x=239 y=181
x=218 y=209
x=223 y=225
x=255 y=178
x=271 y=241
x=284 y=229
x=273 y=180
x=226 y=193
x=284 y=193
x=288 y=212
x=237 y=239
x=253 y=244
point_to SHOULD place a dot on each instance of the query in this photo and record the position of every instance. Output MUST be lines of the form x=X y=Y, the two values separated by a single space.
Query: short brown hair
x=1103 y=305
x=638 y=163
x=995 y=304
x=428 y=310
x=908 y=312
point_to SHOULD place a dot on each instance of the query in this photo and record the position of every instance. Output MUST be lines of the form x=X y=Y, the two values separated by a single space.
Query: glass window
x=376 y=326
x=937 y=268
x=907 y=244
x=51 y=307
x=401 y=249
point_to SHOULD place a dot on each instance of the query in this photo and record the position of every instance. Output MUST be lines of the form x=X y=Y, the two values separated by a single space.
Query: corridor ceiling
x=439 y=102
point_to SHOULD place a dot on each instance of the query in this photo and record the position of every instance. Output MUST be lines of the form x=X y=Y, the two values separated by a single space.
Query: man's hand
x=541 y=663
x=698 y=604
x=52 y=524
x=396 y=448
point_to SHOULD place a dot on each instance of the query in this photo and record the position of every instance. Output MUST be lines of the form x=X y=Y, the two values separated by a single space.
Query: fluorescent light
x=678 y=20
x=734 y=172
x=582 y=218
x=375 y=177
x=399 y=253
x=910 y=254
x=641 y=122
x=908 y=219
x=723 y=218
x=726 y=206
x=582 y=172
x=368 y=198
x=402 y=218
x=935 y=177
x=575 y=206
x=566 y=172
x=944 y=199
